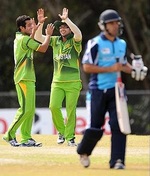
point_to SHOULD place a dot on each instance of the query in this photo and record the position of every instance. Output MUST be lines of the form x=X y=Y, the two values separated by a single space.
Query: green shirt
x=23 y=56
x=66 y=59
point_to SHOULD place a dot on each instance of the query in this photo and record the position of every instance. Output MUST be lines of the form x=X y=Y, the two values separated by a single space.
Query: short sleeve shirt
x=66 y=59
x=103 y=52
x=23 y=57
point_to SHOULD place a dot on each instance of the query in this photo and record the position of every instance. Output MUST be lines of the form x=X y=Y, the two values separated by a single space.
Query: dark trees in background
x=136 y=18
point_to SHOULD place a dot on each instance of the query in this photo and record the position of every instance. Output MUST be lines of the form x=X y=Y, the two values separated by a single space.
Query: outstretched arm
x=72 y=26
x=38 y=33
x=34 y=28
x=49 y=30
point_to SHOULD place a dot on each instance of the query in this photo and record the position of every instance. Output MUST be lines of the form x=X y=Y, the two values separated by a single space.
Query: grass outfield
x=61 y=160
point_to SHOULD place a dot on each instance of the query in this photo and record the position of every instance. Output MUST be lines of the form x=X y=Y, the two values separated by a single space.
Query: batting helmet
x=109 y=16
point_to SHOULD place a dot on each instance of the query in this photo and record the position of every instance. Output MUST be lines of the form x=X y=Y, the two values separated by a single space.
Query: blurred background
x=85 y=14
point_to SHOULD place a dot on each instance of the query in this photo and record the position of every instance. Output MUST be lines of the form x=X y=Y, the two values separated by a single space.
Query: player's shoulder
x=121 y=40
x=54 y=39
x=93 y=41
x=96 y=38
x=26 y=39
x=21 y=36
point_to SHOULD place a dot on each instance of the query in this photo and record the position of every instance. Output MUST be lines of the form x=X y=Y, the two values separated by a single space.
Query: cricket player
x=100 y=61
x=24 y=78
x=66 y=83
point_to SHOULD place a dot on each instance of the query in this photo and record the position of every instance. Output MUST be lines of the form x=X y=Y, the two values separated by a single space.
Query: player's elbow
x=78 y=37
x=42 y=49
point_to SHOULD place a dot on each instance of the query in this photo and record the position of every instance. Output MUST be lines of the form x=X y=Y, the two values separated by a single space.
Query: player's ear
x=22 y=28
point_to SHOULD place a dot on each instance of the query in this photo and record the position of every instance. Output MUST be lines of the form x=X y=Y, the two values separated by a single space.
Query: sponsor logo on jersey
x=105 y=50
x=64 y=56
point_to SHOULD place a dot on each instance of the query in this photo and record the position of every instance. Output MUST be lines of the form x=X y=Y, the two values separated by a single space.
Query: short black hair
x=21 y=21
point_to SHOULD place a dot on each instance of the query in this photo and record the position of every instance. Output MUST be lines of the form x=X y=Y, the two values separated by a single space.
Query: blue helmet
x=109 y=16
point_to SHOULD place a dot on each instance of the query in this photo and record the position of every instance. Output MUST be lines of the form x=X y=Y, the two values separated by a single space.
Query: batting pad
x=89 y=141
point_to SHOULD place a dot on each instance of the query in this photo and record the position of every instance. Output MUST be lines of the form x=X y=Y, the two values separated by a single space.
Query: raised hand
x=64 y=14
x=34 y=27
x=49 y=29
x=40 y=15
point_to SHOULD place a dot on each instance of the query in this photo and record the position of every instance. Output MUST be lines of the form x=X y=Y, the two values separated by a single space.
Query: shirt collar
x=102 y=35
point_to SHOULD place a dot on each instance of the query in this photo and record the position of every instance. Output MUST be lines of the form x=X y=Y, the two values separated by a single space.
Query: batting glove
x=139 y=71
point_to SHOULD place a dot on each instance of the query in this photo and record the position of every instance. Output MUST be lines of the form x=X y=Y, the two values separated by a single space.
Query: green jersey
x=66 y=59
x=23 y=56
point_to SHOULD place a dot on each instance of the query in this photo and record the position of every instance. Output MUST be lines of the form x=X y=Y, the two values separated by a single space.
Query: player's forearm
x=44 y=46
x=74 y=29
x=38 y=34
x=127 y=68
x=33 y=33
x=91 y=68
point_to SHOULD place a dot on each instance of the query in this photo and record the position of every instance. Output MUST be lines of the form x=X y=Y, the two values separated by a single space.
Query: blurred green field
x=61 y=160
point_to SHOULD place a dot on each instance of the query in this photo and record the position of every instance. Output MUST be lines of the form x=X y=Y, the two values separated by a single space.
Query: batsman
x=99 y=60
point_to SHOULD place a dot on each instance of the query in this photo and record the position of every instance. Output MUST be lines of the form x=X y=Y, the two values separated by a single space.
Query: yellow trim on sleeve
x=38 y=47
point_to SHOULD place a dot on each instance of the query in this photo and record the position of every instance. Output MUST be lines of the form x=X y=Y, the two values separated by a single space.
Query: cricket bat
x=121 y=106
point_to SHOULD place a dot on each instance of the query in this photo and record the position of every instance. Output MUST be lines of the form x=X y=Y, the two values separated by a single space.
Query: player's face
x=113 y=28
x=64 y=30
x=28 y=28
